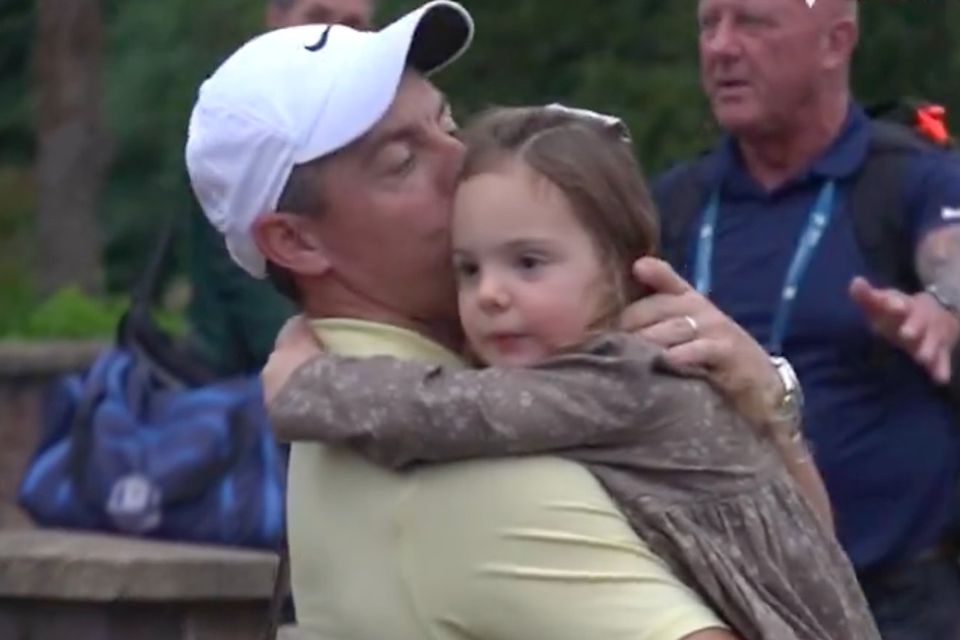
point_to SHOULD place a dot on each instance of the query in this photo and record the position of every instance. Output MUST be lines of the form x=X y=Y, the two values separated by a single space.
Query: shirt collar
x=362 y=338
x=840 y=160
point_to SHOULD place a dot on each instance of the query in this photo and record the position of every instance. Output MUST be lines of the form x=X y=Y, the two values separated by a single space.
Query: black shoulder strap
x=877 y=204
x=680 y=206
x=173 y=361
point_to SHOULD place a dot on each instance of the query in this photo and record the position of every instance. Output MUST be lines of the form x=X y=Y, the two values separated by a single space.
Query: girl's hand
x=295 y=345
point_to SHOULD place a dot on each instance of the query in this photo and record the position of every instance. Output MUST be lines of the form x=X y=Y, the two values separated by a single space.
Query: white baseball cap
x=294 y=95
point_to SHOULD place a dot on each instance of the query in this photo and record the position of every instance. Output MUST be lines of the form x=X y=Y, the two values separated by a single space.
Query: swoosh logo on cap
x=322 y=42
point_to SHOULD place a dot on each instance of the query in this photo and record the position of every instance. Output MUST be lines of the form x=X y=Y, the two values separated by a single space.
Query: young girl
x=551 y=213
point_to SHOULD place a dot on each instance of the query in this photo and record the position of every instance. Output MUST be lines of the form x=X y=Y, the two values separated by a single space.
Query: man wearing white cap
x=234 y=318
x=327 y=160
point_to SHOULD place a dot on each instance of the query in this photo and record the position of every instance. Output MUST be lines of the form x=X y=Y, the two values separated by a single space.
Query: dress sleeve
x=399 y=412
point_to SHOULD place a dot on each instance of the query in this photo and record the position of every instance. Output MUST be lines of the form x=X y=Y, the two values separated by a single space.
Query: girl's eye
x=529 y=262
x=465 y=270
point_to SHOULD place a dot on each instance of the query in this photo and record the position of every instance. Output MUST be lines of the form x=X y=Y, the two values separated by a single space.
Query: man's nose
x=450 y=153
x=722 y=39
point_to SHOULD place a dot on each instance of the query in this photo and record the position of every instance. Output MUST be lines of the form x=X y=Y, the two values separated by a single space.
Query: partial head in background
x=550 y=215
x=770 y=65
x=325 y=157
x=357 y=14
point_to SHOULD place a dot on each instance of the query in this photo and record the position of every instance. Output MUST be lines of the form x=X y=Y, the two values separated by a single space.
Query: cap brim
x=427 y=39
x=443 y=31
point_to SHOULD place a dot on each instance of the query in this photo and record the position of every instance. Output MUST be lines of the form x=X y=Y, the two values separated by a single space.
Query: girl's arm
x=398 y=412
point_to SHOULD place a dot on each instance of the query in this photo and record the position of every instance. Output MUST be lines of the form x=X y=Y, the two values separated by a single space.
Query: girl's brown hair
x=591 y=161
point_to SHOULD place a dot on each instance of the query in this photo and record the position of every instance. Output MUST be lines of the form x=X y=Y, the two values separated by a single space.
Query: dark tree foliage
x=635 y=58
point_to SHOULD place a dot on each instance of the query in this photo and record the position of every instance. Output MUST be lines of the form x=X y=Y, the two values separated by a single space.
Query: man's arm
x=925 y=325
x=938 y=260
x=938 y=265
x=398 y=412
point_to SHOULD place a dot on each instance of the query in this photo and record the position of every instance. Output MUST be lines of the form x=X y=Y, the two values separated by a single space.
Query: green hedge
x=70 y=313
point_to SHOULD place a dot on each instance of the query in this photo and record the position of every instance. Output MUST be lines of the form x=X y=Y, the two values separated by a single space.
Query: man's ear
x=840 y=42
x=286 y=240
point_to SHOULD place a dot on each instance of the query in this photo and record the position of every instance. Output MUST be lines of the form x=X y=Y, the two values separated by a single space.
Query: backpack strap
x=877 y=203
x=680 y=207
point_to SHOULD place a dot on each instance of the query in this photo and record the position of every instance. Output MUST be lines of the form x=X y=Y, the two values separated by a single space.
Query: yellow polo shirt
x=505 y=549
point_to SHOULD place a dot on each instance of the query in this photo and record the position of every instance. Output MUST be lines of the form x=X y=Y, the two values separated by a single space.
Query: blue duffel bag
x=128 y=454
x=149 y=442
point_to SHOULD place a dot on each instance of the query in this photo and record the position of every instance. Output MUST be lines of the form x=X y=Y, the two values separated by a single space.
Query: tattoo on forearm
x=938 y=261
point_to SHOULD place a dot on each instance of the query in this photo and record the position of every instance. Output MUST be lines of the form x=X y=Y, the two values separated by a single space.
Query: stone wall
x=68 y=586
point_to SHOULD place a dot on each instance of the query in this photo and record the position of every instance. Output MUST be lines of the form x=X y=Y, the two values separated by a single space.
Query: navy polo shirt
x=887 y=445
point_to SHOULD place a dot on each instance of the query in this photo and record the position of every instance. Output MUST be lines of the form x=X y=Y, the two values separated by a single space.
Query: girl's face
x=530 y=280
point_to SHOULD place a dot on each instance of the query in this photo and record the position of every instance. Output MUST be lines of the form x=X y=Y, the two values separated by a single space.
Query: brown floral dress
x=706 y=493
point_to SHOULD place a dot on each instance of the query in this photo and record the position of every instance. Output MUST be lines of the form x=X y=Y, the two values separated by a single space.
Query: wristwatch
x=946 y=301
x=789 y=413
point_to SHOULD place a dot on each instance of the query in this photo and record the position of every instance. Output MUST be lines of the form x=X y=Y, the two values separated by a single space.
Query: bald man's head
x=289 y=13
x=849 y=9
x=765 y=63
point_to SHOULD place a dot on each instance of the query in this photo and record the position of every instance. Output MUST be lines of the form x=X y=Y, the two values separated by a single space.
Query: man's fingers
x=669 y=333
x=704 y=353
x=945 y=370
x=882 y=306
x=927 y=348
x=659 y=276
x=862 y=293
x=657 y=308
x=915 y=326
x=934 y=354
x=941 y=369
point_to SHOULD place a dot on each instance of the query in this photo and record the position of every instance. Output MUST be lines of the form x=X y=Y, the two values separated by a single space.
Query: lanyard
x=817 y=222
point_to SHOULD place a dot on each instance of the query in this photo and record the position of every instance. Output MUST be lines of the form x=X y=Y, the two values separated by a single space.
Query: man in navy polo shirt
x=775 y=249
